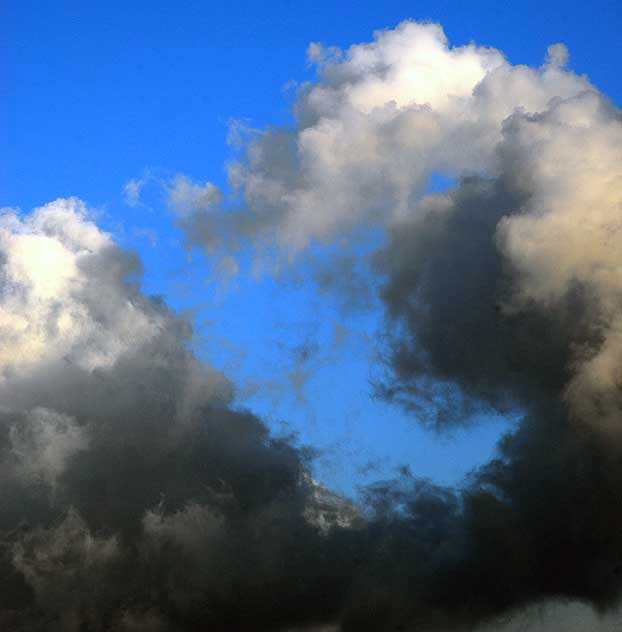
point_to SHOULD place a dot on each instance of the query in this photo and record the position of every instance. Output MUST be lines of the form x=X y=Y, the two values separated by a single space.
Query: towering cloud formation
x=135 y=497
x=511 y=285
x=506 y=293
x=503 y=292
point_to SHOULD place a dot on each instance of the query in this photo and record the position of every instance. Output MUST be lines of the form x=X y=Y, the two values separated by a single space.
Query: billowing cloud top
x=380 y=119
x=63 y=296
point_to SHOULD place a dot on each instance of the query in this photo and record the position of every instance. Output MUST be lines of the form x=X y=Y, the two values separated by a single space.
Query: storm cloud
x=132 y=491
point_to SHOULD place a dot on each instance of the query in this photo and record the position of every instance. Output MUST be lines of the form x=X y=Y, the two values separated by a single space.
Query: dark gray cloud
x=135 y=497
x=485 y=315
x=133 y=494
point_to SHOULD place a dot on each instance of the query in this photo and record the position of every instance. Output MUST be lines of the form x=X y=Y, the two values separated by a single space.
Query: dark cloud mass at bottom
x=171 y=511
x=135 y=497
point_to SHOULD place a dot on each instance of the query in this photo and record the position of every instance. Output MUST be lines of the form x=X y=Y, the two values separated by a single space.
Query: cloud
x=378 y=121
x=64 y=561
x=43 y=441
x=133 y=493
x=504 y=293
x=509 y=287
x=132 y=191
x=55 y=266
x=185 y=196
x=554 y=616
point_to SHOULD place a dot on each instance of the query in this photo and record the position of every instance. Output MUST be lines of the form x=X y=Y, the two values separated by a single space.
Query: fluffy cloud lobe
x=381 y=118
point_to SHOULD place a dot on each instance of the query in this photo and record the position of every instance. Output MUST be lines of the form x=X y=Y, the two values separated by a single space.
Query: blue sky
x=98 y=93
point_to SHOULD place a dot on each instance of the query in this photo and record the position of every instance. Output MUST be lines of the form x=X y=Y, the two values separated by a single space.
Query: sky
x=99 y=95
x=391 y=284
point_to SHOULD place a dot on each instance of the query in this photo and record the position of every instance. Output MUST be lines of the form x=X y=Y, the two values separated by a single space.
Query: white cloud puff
x=378 y=121
x=62 y=297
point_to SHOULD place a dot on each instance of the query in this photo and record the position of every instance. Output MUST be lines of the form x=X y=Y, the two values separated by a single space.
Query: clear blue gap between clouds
x=301 y=359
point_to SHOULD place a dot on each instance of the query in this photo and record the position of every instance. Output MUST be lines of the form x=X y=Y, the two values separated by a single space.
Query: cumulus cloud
x=55 y=265
x=511 y=284
x=378 y=121
x=504 y=293
x=133 y=494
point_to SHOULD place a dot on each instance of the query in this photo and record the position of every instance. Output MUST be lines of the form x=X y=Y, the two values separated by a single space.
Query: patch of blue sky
x=305 y=359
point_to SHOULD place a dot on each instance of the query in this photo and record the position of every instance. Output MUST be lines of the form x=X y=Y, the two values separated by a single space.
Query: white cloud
x=185 y=196
x=379 y=120
x=63 y=295
x=570 y=160
x=133 y=188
